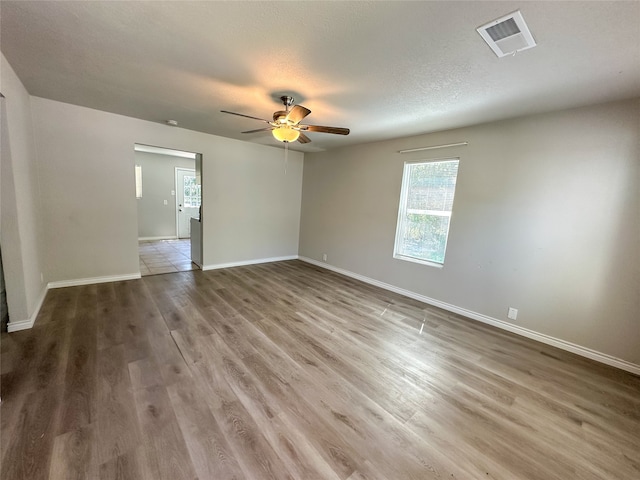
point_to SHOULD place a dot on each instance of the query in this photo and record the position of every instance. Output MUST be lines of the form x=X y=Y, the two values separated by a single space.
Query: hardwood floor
x=287 y=371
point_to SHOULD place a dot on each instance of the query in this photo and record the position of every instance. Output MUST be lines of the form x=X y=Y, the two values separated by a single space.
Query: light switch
x=166 y=203
x=173 y=193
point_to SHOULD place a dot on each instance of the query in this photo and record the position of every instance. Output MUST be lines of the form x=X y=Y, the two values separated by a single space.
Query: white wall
x=546 y=219
x=251 y=209
x=20 y=232
x=155 y=219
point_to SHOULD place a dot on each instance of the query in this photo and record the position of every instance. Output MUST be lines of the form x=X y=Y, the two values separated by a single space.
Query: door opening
x=168 y=192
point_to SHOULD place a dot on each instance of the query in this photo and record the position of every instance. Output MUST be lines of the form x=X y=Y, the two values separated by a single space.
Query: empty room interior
x=353 y=240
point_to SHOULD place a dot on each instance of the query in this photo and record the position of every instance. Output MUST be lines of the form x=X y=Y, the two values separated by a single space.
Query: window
x=426 y=202
x=192 y=192
x=138 y=181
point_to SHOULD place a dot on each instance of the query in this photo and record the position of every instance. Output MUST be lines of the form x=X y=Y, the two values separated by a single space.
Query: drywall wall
x=251 y=207
x=20 y=232
x=545 y=219
x=155 y=219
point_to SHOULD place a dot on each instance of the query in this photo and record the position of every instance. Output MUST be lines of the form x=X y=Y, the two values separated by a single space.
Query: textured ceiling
x=384 y=69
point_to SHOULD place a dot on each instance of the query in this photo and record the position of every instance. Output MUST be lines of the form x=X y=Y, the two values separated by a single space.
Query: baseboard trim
x=525 y=332
x=248 y=262
x=29 y=322
x=94 y=280
x=173 y=237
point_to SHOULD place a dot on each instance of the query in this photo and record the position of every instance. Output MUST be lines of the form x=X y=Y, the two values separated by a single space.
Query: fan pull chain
x=286 y=156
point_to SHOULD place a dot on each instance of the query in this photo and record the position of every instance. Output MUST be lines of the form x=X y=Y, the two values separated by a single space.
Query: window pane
x=432 y=185
x=192 y=197
x=138 y=170
x=197 y=199
x=425 y=237
x=425 y=210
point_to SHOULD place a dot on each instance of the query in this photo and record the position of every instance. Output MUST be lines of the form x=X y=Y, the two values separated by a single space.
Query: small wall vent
x=507 y=35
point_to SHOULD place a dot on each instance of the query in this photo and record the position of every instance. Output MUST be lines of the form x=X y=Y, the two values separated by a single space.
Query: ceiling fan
x=286 y=126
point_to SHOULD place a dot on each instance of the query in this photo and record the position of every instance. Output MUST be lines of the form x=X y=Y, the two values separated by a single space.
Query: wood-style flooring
x=288 y=371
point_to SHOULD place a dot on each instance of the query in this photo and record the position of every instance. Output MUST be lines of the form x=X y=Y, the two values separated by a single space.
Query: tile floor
x=165 y=256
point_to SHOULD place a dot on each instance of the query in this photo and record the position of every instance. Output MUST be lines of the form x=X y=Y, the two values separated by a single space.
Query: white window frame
x=402 y=210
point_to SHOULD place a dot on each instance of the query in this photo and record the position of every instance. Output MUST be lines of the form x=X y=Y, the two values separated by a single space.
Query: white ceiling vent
x=507 y=35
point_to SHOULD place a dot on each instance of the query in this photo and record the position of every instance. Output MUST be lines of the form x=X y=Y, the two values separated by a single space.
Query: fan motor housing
x=279 y=115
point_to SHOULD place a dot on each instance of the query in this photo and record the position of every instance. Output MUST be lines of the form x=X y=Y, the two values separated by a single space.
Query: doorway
x=4 y=135
x=168 y=193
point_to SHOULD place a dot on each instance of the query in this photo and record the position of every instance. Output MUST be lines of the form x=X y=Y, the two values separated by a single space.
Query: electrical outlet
x=513 y=313
x=324 y=257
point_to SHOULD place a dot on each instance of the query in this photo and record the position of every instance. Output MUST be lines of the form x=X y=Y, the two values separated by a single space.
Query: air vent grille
x=507 y=35
x=503 y=30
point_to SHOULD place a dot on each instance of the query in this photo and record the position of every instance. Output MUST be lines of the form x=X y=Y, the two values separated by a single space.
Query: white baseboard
x=173 y=237
x=28 y=323
x=93 y=280
x=525 y=332
x=248 y=262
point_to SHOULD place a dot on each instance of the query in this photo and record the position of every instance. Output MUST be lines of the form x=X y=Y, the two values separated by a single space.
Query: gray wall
x=20 y=219
x=251 y=208
x=546 y=219
x=155 y=219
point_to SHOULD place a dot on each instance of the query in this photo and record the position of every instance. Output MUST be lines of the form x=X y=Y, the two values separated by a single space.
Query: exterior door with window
x=188 y=198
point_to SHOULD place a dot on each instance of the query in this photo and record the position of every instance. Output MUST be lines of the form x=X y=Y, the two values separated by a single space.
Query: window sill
x=417 y=260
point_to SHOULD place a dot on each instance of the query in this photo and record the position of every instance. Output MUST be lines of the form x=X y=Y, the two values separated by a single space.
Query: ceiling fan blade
x=297 y=113
x=268 y=129
x=318 y=128
x=246 y=116
x=303 y=138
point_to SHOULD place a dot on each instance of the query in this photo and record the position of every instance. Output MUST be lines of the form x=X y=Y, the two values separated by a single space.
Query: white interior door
x=188 y=200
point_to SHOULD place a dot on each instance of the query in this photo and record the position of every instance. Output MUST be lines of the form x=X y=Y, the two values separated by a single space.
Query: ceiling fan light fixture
x=285 y=134
x=286 y=126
